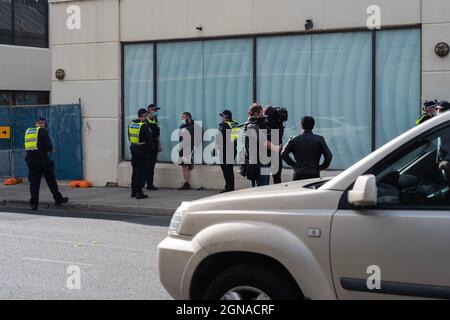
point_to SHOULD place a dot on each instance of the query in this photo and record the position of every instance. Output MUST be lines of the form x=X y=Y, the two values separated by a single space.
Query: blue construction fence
x=64 y=126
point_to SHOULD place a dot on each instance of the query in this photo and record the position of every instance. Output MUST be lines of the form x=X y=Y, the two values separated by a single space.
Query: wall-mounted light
x=60 y=74
x=199 y=28
x=442 y=49
x=309 y=24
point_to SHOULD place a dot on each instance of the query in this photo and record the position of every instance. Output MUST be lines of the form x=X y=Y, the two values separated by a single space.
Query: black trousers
x=228 y=174
x=151 y=163
x=276 y=175
x=139 y=176
x=36 y=169
x=300 y=176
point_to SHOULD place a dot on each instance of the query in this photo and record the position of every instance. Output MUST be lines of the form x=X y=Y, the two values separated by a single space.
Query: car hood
x=285 y=196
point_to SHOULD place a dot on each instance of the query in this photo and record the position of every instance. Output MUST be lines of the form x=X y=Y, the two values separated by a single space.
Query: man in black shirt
x=141 y=147
x=275 y=124
x=307 y=149
x=37 y=146
x=187 y=137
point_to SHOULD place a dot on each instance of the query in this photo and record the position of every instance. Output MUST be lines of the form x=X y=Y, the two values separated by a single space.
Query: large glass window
x=329 y=76
x=180 y=87
x=228 y=79
x=342 y=94
x=23 y=98
x=398 y=82
x=138 y=84
x=6 y=22
x=24 y=22
x=284 y=76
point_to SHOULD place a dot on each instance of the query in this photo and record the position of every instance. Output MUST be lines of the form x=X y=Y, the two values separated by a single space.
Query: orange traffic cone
x=12 y=181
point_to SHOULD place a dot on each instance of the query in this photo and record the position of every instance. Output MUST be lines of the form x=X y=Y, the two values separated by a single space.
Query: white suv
x=379 y=230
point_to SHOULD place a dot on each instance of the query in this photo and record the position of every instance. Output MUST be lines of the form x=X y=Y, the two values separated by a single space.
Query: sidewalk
x=115 y=200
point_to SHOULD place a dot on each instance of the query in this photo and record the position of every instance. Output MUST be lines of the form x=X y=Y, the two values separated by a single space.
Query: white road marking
x=57 y=261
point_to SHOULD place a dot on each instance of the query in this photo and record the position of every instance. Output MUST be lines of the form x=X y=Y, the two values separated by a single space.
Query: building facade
x=25 y=65
x=363 y=85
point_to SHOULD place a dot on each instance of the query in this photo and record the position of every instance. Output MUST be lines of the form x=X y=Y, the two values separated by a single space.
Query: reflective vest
x=152 y=121
x=234 y=126
x=422 y=119
x=134 y=130
x=31 y=139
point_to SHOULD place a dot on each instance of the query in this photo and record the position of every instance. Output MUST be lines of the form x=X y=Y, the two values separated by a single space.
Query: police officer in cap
x=152 y=122
x=229 y=131
x=141 y=147
x=37 y=146
x=428 y=111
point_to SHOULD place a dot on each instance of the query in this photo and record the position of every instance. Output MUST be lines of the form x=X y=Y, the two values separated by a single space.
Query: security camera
x=199 y=28
x=309 y=24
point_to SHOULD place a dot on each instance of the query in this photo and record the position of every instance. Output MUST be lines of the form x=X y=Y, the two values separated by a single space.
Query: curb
x=100 y=208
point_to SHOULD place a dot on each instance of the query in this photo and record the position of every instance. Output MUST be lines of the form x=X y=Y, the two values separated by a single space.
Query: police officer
x=141 y=147
x=37 y=146
x=229 y=131
x=152 y=122
x=428 y=111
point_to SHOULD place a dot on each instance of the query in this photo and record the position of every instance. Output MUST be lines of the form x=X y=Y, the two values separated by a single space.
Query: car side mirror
x=364 y=192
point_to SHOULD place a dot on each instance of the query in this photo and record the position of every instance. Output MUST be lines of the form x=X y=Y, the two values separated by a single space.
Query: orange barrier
x=80 y=184
x=12 y=181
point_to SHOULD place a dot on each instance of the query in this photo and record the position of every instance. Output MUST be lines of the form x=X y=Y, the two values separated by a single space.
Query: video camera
x=280 y=114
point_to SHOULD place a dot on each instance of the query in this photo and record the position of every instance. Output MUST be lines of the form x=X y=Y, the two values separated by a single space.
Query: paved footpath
x=161 y=202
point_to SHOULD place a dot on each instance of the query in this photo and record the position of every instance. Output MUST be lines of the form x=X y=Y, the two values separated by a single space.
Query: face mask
x=155 y=114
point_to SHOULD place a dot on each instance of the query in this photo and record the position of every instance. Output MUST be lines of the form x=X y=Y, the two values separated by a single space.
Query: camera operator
x=276 y=116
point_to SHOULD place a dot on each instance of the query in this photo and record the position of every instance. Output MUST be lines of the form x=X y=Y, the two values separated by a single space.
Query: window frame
x=255 y=38
x=12 y=32
x=397 y=154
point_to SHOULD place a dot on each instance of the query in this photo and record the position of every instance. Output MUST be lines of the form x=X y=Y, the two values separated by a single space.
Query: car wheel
x=252 y=282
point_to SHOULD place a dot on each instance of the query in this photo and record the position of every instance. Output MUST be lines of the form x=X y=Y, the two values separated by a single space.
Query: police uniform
x=229 y=130
x=153 y=156
x=140 y=138
x=37 y=146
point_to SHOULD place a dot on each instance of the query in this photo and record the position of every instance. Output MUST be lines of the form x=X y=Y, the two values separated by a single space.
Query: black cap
x=41 y=120
x=444 y=104
x=153 y=107
x=226 y=114
x=430 y=104
x=141 y=112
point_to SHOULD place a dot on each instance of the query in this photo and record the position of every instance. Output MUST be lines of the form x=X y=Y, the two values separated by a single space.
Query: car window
x=419 y=175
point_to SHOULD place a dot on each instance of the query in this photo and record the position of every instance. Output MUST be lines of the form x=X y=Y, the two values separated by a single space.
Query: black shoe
x=185 y=186
x=62 y=201
x=133 y=194
x=152 y=188
x=141 y=196
x=34 y=207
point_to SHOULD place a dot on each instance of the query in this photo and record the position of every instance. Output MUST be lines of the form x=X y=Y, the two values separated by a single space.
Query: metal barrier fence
x=64 y=127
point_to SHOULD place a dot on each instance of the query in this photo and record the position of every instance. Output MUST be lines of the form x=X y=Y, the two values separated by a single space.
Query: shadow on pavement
x=149 y=220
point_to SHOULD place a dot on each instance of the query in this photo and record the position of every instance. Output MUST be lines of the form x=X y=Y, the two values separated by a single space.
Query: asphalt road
x=70 y=255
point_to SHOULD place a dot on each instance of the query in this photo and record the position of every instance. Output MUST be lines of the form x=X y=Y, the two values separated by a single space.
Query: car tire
x=248 y=279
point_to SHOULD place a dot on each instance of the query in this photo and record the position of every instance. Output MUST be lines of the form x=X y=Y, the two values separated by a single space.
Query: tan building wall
x=92 y=60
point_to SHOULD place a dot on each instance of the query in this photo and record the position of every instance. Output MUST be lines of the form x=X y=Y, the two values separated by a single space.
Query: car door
x=400 y=248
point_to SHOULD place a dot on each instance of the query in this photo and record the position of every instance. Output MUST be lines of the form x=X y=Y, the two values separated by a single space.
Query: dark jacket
x=252 y=132
x=223 y=129
x=145 y=135
x=156 y=132
x=44 y=145
x=307 y=149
